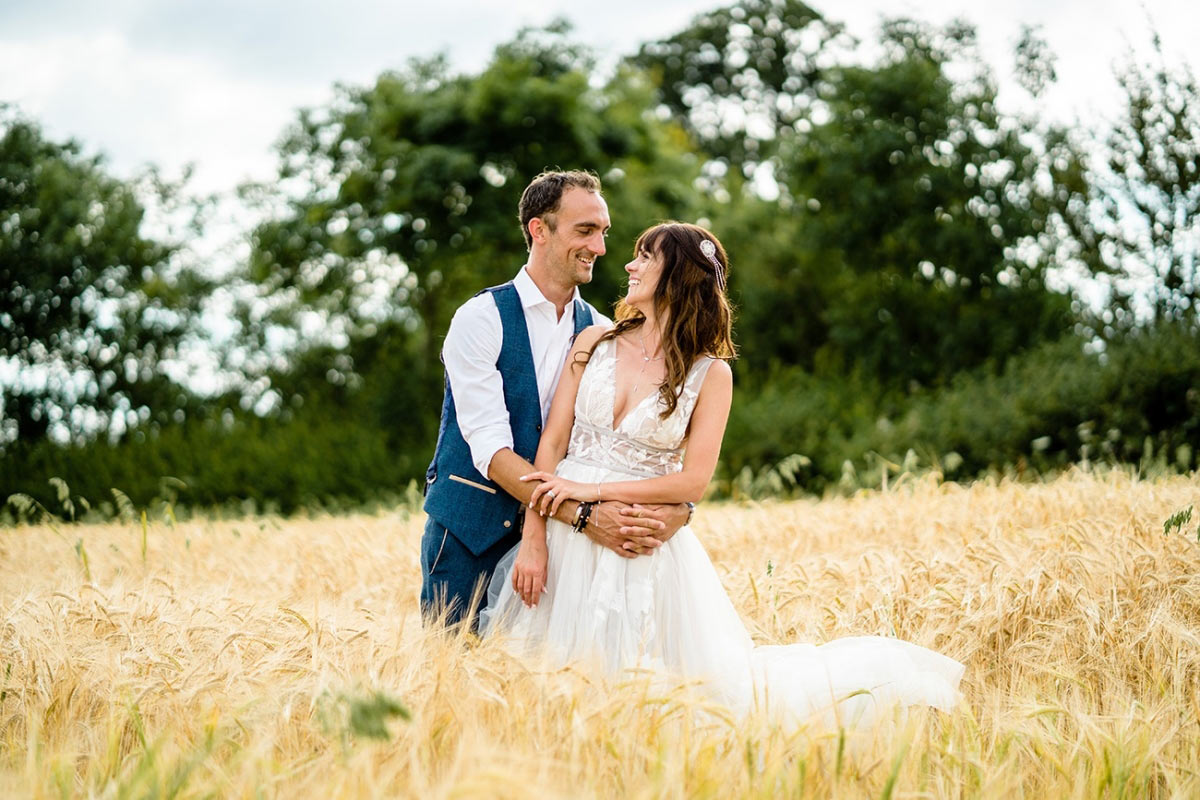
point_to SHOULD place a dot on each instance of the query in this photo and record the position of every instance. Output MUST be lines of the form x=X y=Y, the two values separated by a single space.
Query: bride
x=639 y=417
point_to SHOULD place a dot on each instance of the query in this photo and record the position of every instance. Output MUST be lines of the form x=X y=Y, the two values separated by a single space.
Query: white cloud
x=142 y=106
x=217 y=82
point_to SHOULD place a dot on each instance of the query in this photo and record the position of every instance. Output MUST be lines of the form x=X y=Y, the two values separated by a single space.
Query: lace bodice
x=643 y=443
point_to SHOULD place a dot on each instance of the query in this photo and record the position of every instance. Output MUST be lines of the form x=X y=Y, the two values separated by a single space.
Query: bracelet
x=578 y=512
x=691 y=511
x=585 y=514
x=599 y=498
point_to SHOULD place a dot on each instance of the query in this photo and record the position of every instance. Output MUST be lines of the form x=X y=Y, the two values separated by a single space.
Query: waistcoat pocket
x=471 y=483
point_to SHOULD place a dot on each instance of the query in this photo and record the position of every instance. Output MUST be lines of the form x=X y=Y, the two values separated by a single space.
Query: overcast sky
x=216 y=82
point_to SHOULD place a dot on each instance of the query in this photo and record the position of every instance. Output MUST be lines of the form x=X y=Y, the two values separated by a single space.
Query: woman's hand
x=529 y=570
x=553 y=490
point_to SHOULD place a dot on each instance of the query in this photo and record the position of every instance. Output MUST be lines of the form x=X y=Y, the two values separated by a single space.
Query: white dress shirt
x=470 y=351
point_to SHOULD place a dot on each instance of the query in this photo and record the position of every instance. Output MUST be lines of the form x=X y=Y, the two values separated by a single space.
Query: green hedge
x=321 y=459
x=1054 y=405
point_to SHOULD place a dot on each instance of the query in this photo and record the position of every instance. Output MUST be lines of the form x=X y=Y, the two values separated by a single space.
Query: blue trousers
x=452 y=574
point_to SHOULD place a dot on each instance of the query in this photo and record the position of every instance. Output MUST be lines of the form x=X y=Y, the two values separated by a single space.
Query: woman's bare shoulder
x=589 y=336
x=719 y=373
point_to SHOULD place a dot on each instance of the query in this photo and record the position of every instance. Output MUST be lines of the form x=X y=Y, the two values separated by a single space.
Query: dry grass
x=226 y=661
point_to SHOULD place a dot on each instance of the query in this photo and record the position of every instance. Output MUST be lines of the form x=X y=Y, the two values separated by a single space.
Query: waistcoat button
x=507 y=523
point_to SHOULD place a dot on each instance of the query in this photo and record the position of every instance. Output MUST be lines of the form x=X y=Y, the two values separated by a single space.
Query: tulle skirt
x=668 y=613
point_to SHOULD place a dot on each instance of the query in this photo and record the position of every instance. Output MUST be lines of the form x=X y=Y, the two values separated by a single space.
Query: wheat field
x=285 y=658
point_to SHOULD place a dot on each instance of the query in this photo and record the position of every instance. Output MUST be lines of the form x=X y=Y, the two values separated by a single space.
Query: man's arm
x=470 y=351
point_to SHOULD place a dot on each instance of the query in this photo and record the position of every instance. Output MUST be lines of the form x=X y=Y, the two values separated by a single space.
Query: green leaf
x=61 y=489
x=1176 y=521
x=369 y=716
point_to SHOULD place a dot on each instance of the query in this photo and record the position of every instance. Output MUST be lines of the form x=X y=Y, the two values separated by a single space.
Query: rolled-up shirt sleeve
x=470 y=351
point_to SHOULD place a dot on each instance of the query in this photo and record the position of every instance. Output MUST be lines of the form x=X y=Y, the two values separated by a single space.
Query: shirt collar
x=529 y=293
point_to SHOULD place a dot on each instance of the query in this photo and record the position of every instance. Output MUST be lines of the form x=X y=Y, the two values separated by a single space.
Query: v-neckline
x=629 y=411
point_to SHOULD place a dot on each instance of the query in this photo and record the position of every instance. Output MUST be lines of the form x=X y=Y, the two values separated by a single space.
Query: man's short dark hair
x=544 y=193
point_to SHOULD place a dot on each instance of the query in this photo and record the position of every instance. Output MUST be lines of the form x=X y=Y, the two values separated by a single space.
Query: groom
x=504 y=354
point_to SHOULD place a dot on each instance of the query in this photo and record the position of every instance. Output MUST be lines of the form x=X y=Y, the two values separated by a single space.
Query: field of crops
x=285 y=658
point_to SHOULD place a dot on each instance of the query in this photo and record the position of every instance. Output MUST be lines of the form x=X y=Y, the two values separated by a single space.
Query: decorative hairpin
x=710 y=252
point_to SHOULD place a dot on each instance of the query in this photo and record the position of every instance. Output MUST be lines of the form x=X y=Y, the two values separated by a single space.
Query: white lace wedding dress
x=668 y=611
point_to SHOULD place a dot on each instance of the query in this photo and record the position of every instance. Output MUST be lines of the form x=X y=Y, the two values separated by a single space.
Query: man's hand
x=635 y=530
x=612 y=525
x=659 y=521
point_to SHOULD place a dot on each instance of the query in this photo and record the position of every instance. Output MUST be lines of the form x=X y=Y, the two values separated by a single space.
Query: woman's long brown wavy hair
x=690 y=298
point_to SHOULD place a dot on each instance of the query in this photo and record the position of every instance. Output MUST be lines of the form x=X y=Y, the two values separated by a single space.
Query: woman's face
x=644 y=271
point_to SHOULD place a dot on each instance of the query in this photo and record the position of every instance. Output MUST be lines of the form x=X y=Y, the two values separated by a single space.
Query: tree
x=891 y=220
x=408 y=188
x=1142 y=226
x=89 y=306
x=923 y=221
x=738 y=75
x=402 y=204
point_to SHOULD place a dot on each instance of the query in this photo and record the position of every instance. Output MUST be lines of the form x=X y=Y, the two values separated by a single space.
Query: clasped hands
x=628 y=530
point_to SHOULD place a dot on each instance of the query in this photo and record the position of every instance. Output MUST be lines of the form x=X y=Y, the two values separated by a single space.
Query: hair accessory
x=710 y=252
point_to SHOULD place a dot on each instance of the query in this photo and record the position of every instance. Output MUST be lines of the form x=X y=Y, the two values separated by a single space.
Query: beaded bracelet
x=585 y=514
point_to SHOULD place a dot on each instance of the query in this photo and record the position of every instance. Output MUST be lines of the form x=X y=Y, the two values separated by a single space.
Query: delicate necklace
x=646 y=359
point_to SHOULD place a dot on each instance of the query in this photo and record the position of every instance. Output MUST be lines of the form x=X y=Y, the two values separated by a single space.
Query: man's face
x=580 y=225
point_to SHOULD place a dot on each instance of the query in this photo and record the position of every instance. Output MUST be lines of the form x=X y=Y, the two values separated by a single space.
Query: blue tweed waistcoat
x=477 y=511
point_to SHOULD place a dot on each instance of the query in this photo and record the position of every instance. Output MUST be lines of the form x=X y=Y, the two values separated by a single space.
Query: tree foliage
x=738 y=75
x=89 y=306
x=1143 y=224
x=402 y=203
x=408 y=188
x=894 y=240
x=932 y=213
x=915 y=226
